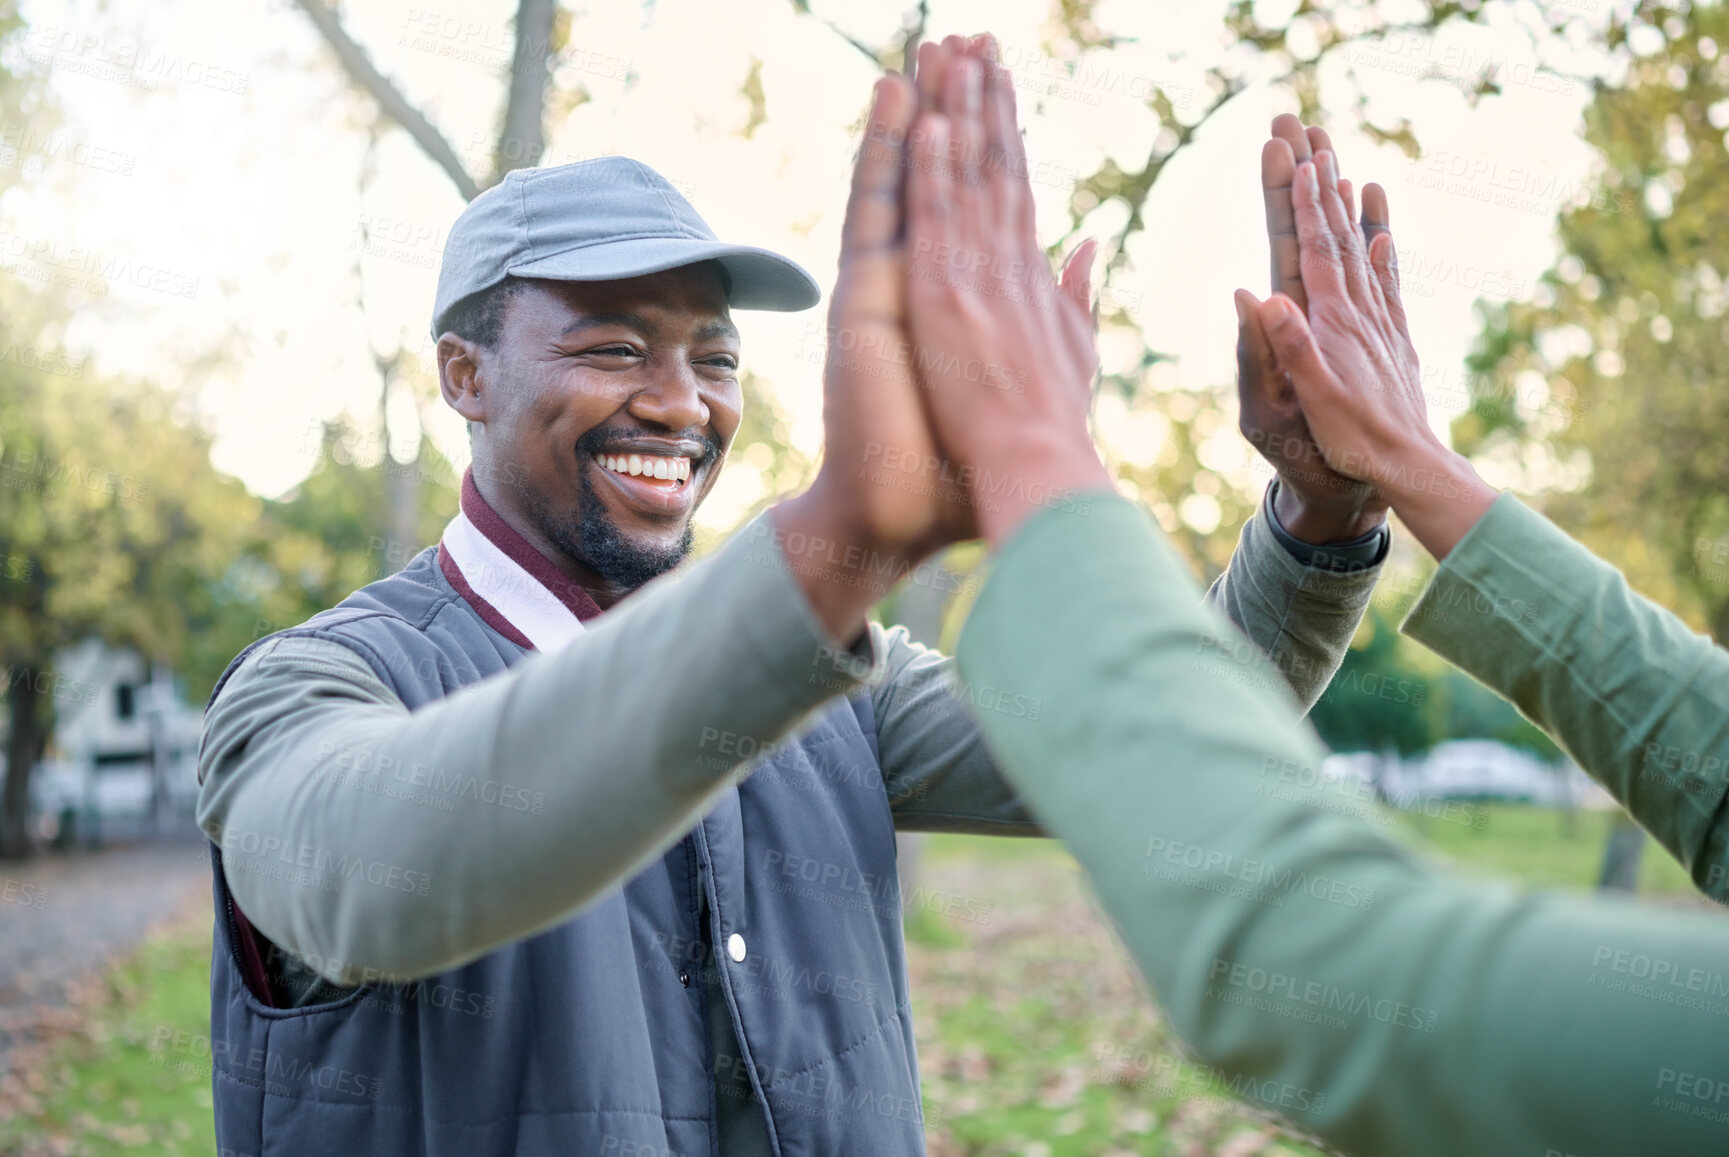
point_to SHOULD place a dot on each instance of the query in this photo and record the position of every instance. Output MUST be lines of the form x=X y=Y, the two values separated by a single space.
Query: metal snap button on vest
x=684 y=978
x=735 y=947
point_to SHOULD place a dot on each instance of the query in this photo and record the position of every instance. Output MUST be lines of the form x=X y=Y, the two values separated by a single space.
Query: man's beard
x=592 y=540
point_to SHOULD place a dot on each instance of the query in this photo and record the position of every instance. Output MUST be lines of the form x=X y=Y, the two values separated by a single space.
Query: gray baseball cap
x=604 y=219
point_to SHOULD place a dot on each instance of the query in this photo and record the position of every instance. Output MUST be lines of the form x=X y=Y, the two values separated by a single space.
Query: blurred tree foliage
x=23 y=94
x=113 y=525
x=325 y=535
x=1198 y=493
x=762 y=458
x=1391 y=694
x=1608 y=387
x=1285 y=49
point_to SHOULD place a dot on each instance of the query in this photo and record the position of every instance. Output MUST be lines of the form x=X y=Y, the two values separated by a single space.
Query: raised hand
x=1353 y=366
x=871 y=404
x=884 y=498
x=1006 y=350
x=1315 y=502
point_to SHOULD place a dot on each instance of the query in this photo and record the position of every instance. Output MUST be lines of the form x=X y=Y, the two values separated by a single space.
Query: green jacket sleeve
x=1298 y=947
x=309 y=764
x=939 y=774
x=1300 y=618
x=1638 y=699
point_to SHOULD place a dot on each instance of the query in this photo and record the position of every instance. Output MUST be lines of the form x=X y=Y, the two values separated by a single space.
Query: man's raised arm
x=1307 y=563
x=610 y=748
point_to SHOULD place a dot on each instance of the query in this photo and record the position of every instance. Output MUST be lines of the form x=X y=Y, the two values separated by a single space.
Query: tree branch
x=915 y=32
x=804 y=9
x=525 y=104
x=391 y=102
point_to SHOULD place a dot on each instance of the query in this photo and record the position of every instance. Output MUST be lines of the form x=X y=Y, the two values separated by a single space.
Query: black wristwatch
x=1358 y=554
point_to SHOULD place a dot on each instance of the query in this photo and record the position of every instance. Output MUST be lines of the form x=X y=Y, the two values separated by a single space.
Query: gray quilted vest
x=591 y=1038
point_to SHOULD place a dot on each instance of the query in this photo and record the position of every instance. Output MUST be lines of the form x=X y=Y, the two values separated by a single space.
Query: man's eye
x=725 y=362
x=614 y=351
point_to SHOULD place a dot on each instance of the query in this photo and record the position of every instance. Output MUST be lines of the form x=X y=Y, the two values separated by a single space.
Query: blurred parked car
x=1469 y=769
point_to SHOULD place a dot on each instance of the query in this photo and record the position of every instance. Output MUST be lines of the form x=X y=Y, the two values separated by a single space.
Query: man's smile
x=656 y=480
x=648 y=466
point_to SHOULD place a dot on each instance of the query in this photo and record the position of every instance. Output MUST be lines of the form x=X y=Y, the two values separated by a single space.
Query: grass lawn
x=1542 y=847
x=122 y=1086
x=1035 y=1035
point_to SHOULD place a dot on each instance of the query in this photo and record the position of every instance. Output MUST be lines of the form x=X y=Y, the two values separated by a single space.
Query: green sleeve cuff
x=1633 y=694
x=1506 y=570
x=1327 y=585
x=1363 y=553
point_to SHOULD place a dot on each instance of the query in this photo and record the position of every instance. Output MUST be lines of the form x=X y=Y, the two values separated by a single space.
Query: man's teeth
x=647 y=465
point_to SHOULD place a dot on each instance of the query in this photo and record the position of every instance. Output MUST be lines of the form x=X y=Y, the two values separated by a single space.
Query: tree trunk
x=522 y=137
x=1621 y=856
x=403 y=529
x=400 y=518
x=25 y=741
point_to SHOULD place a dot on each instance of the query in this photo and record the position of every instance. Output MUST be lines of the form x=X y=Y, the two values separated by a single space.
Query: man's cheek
x=710 y=475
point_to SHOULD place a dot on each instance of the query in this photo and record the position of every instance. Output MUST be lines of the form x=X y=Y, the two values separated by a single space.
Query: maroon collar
x=487 y=520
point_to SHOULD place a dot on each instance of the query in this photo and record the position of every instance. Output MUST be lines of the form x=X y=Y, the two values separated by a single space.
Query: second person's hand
x=883 y=498
x=1355 y=369
x=1006 y=351
x=1314 y=502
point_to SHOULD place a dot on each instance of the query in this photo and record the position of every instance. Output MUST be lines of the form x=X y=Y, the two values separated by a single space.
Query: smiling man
x=490 y=874
x=602 y=474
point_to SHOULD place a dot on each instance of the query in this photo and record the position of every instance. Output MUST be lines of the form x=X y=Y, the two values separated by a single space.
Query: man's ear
x=459 y=377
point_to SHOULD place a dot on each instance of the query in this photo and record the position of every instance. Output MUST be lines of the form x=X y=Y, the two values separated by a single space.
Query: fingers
x=1354 y=262
x=1319 y=141
x=1007 y=148
x=1003 y=146
x=1289 y=129
x=1290 y=146
x=1075 y=282
x=1258 y=374
x=993 y=156
x=962 y=103
x=929 y=198
x=1348 y=195
x=1384 y=259
x=1294 y=345
x=1323 y=269
x=1278 y=170
x=1000 y=138
x=933 y=66
x=1383 y=256
x=873 y=212
x=1375 y=220
x=1077 y=276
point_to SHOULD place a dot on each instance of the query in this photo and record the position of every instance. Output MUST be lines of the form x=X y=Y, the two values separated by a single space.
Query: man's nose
x=672 y=398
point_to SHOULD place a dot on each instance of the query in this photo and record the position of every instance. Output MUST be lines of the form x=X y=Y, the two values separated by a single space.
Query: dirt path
x=63 y=916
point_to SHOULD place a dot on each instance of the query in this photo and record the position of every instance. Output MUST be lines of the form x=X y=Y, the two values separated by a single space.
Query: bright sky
x=212 y=157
